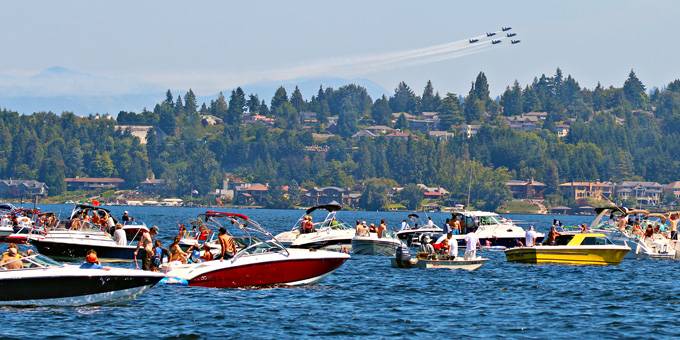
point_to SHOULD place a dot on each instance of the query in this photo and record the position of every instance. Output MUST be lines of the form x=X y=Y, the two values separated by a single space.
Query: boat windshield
x=489 y=220
x=563 y=240
x=32 y=261
x=261 y=247
x=595 y=241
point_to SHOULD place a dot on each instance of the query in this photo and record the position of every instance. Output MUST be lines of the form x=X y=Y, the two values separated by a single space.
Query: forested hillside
x=614 y=133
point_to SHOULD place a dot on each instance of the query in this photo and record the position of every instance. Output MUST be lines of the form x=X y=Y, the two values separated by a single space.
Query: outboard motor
x=402 y=255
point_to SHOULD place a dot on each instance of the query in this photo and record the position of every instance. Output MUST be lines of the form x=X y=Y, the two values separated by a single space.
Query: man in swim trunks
x=145 y=244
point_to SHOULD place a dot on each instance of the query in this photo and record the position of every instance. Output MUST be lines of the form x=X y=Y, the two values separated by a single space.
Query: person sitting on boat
x=382 y=228
x=11 y=259
x=110 y=223
x=119 y=235
x=430 y=223
x=203 y=233
x=621 y=223
x=404 y=225
x=649 y=232
x=207 y=255
x=307 y=225
x=227 y=245
x=158 y=253
x=530 y=237
x=426 y=246
x=176 y=253
x=471 y=245
x=125 y=218
x=372 y=228
x=91 y=261
x=449 y=245
x=552 y=236
x=584 y=228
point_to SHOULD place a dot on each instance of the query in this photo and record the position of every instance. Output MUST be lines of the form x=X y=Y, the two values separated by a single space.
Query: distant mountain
x=59 y=89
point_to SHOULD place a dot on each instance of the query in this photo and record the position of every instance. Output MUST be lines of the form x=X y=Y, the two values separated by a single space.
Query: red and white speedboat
x=260 y=263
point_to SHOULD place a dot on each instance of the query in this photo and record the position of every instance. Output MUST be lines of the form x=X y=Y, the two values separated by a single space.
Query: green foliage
x=374 y=196
x=411 y=196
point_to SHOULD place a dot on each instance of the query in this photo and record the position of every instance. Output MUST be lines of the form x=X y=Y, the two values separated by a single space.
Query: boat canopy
x=211 y=213
x=413 y=216
x=328 y=207
x=90 y=206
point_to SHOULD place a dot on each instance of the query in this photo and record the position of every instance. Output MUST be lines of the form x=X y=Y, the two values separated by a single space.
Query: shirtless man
x=227 y=245
x=673 y=221
x=146 y=245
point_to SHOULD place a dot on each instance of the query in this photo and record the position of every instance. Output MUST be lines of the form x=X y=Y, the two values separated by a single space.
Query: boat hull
x=73 y=290
x=261 y=270
x=463 y=264
x=375 y=246
x=294 y=272
x=64 y=250
x=571 y=255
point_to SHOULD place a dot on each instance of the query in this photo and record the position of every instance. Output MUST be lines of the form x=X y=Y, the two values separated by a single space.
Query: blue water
x=368 y=298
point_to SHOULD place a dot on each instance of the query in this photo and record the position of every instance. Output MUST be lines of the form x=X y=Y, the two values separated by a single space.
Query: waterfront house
x=583 y=190
x=18 y=188
x=93 y=183
x=529 y=189
x=642 y=193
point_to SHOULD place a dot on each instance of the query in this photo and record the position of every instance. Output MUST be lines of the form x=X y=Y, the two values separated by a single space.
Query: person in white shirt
x=530 y=237
x=119 y=235
x=430 y=224
x=404 y=225
x=471 y=244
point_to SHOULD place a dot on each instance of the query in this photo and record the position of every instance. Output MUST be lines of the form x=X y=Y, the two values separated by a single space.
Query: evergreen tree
x=429 y=102
x=190 y=105
x=237 y=105
x=253 y=103
x=219 y=107
x=347 y=118
x=450 y=112
x=634 y=91
x=168 y=98
x=280 y=97
x=401 y=122
x=404 y=100
x=511 y=100
x=263 y=110
x=297 y=100
x=381 y=112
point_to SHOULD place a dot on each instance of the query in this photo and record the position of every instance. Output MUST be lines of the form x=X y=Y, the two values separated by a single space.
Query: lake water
x=368 y=298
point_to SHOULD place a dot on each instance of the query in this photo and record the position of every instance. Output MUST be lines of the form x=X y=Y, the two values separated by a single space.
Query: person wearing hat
x=91 y=261
x=119 y=235
x=146 y=245
x=11 y=259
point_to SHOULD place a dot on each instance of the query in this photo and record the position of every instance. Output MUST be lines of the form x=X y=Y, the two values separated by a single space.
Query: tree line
x=616 y=133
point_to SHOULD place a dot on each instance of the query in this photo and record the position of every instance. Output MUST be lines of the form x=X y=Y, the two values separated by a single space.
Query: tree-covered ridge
x=614 y=134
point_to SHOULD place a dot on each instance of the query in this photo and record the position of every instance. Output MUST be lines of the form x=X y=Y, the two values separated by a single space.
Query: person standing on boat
x=454 y=225
x=673 y=222
x=119 y=235
x=471 y=244
x=145 y=244
x=404 y=225
x=530 y=238
x=452 y=245
x=382 y=228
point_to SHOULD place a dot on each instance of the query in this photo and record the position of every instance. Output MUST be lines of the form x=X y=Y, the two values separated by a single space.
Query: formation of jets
x=498 y=41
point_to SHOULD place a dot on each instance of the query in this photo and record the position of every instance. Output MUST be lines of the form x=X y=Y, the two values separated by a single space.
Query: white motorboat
x=493 y=230
x=654 y=245
x=262 y=263
x=414 y=229
x=67 y=244
x=43 y=282
x=330 y=234
x=371 y=244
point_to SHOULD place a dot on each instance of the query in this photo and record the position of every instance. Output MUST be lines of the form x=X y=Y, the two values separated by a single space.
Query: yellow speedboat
x=572 y=248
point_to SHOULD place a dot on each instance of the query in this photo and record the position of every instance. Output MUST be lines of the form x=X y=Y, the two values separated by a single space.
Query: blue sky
x=215 y=45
